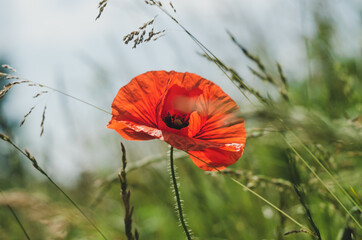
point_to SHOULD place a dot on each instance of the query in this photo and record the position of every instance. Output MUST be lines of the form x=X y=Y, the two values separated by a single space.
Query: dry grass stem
x=8 y=86
x=55 y=218
x=101 y=6
x=126 y=196
x=15 y=215
x=3 y=75
x=42 y=121
x=153 y=2
x=138 y=36
x=173 y=8
x=37 y=167
x=259 y=180
x=264 y=75
x=295 y=232
x=7 y=66
x=26 y=115
x=40 y=93
x=235 y=78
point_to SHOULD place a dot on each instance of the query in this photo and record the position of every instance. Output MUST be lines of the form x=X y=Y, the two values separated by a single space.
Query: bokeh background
x=60 y=44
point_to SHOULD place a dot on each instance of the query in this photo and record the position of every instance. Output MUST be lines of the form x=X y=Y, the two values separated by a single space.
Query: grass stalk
x=328 y=172
x=37 y=167
x=107 y=184
x=210 y=55
x=304 y=228
x=300 y=193
x=126 y=196
x=323 y=183
x=17 y=220
x=71 y=96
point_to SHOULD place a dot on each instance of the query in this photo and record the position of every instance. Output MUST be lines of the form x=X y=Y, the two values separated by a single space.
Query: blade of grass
x=110 y=180
x=321 y=181
x=304 y=228
x=17 y=219
x=37 y=167
x=63 y=93
x=301 y=194
x=210 y=55
x=73 y=97
x=327 y=171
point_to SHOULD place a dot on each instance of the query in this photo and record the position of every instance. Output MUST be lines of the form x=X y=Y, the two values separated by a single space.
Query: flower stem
x=177 y=195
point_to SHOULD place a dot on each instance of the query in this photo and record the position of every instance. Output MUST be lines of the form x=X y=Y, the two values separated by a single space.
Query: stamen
x=176 y=121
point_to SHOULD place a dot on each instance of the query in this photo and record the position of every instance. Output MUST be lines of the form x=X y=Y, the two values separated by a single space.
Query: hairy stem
x=177 y=195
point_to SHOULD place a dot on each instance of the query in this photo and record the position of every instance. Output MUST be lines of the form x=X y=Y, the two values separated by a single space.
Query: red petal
x=222 y=121
x=211 y=158
x=178 y=100
x=186 y=143
x=137 y=102
x=130 y=131
x=195 y=123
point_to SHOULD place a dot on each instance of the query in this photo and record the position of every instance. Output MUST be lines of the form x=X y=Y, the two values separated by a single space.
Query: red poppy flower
x=186 y=111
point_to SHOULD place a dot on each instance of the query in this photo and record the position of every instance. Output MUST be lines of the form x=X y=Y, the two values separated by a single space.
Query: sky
x=59 y=43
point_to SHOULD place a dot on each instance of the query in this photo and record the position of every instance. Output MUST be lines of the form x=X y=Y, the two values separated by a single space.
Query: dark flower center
x=176 y=121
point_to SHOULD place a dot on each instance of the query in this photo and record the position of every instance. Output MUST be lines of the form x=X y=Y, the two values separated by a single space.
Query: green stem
x=177 y=194
x=71 y=96
x=18 y=221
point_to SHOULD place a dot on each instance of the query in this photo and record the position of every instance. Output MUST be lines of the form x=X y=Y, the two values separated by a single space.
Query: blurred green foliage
x=323 y=111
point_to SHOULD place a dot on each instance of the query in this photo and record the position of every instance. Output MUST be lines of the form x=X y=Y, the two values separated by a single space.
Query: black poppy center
x=176 y=121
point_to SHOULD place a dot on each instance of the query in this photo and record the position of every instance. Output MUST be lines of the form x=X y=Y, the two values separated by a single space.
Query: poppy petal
x=194 y=124
x=211 y=159
x=186 y=143
x=222 y=123
x=136 y=102
x=134 y=132
x=178 y=100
